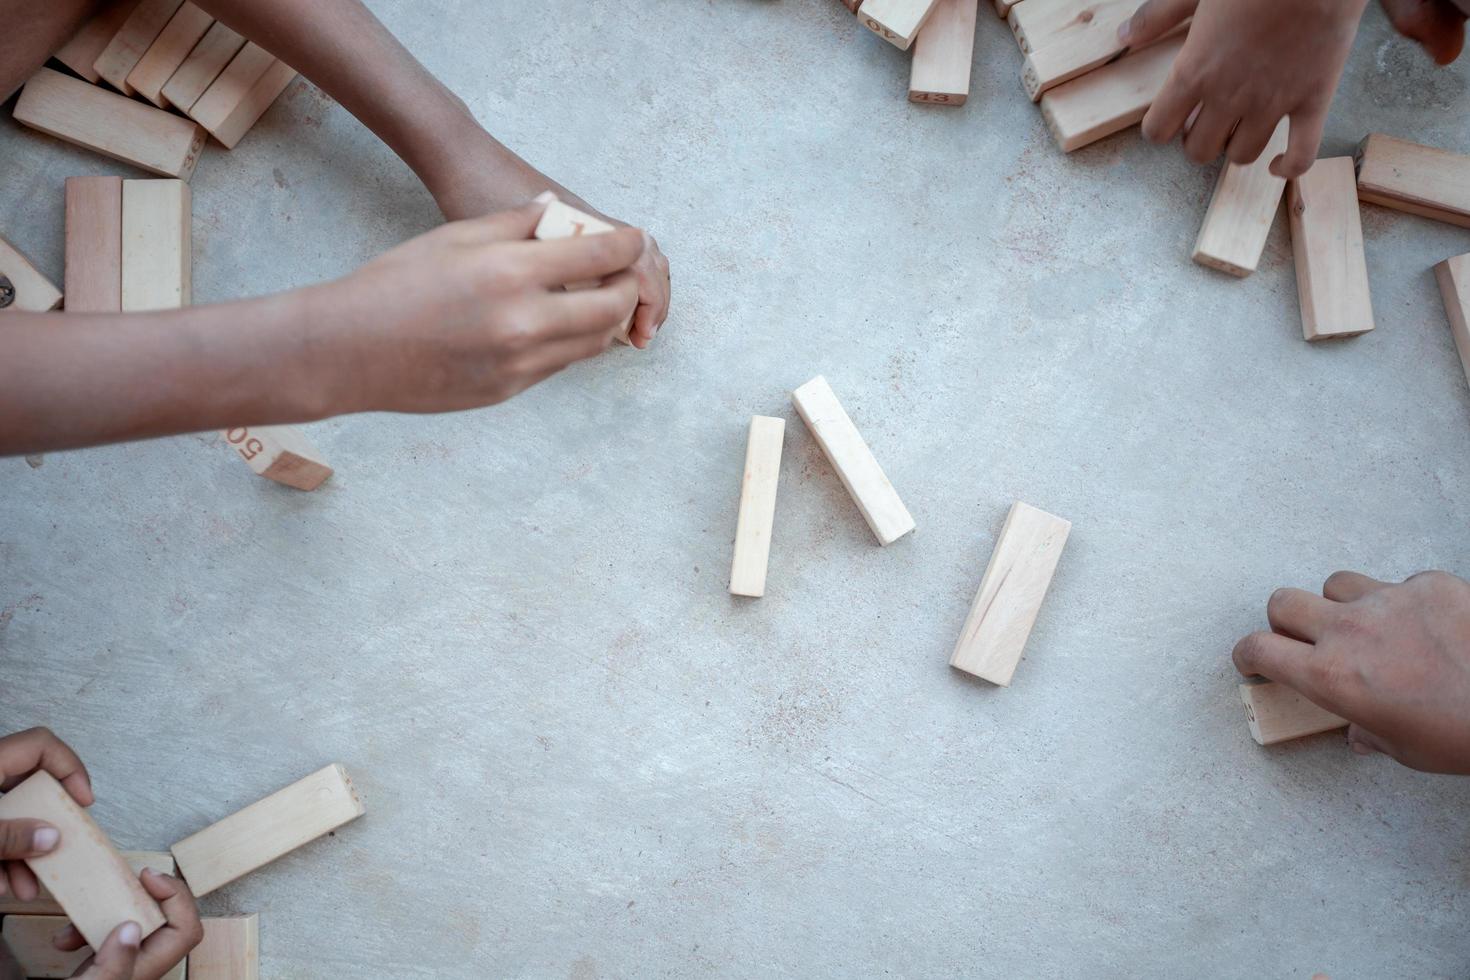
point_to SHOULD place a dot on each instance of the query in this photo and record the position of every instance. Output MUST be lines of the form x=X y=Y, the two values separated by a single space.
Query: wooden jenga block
x=1327 y=242
x=1074 y=54
x=85 y=873
x=168 y=52
x=757 y=506
x=93 y=37
x=22 y=287
x=29 y=938
x=70 y=109
x=853 y=460
x=896 y=21
x=1276 y=713
x=157 y=250
x=44 y=904
x=1108 y=99
x=94 y=244
x=280 y=453
x=1453 y=276
x=132 y=41
x=267 y=830
x=564 y=221
x=944 y=53
x=1247 y=197
x=1010 y=596
x=1422 y=180
x=205 y=63
x=241 y=94
x=230 y=950
x=1039 y=24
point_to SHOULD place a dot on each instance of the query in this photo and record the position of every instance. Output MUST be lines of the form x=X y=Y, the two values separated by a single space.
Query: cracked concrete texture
x=581 y=757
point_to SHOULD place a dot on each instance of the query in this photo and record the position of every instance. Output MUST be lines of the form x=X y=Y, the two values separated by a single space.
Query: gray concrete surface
x=582 y=758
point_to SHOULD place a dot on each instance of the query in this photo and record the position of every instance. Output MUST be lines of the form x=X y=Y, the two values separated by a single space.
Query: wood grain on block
x=44 y=904
x=168 y=52
x=896 y=21
x=231 y=128
x=85 y=873
x=1327 y=242
x=1074 y=54
x=854 y=462
x=209 y=58
x=564 y=221
x=227 y=93
x=157 y=245
x=132 y=41
x=267 y=830
x=1276 y=713
x=29 y=938
x=757 y=506
x=1247 y=197
x=92 y=38
x=34 y=293
x=1453 y=276
x=1047 y=23
x=944 y=54
x=1421 y=180
x=230 y=949
x=1011 y=592
x=280 y=453
x=93 y=244
x=70 y=109
x=1109 y=99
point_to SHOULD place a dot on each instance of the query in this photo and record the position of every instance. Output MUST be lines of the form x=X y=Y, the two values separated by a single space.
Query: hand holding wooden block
x=1276 y=713
x=564 y=221
x=757 y=506
x=1327 y=242
x=24 y=288
x=45 y=904
x=29 y=938
x=1247 y=197
x=896 y=21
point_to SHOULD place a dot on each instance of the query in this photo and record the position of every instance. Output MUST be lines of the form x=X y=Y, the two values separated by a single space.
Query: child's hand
x=122 y=958
x=21 y=755
x=1245 y=65
x=654 y=290
x=1438 y=25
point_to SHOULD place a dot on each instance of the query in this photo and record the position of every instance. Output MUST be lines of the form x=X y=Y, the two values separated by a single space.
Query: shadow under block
x=1327 y=243
x=854 y=462
x=34 y=293
x=564 y=221
x=156 y=245
x=205 y=63
x=1422 y=180
x=1247 y=197
x=29 y=939
x=757 y=506
x=944 y=54
x=85 y=873
x=267 y=830
x=70 y=109
x=230 y=949
x=1453 y=276
x=92 y=38
x=1276 y=713
x=896 y=21
x=237 y=99
x=44 y=904
x=168 y=52
x=1109 y=99
x=280 y=453
x=132 y=41
x=94 y=244
x=1040 y=24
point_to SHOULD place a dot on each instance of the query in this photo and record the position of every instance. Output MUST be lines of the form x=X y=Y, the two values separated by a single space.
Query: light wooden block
x=1327 y=242
x=1247 y=197
x=564 y=221
x=1453 y=276
x=1422 y=180
x=94 y=244
x=267 y=830
x=944 y=54
x=280 y=453
x=1011 y=592
x=230 y=950
x=85 y=873
x=29 y=938
x=44 y=904
x=27 y=289
x=93 y=37
x=229 y=124
x=1108 y=99
x=854 y=462
x=157 y=245
x=132 y=41
x=896 y=21
x=107 y=123
x=1276 y=713
x=757 y=506
x=1049 y=23
x=168 y=53
x=1077 y=51
x=209 y=58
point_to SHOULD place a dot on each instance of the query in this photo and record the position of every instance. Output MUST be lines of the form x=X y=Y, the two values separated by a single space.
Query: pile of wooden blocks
x=942 y=35
x=87 y=881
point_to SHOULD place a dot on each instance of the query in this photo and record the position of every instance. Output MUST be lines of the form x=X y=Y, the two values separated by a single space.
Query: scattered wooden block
x=267 y=830
x=1015 y=583
x=1327 y=242
x=850 y=457
x=1276 y=713
x=1108 y=99
x=1422 y=180
x=944 y=54
x=241 y=94
x=896 y=21
x=132 y=41
x=1046 y=23
x=94 y=244
x=280 y=453
x=1239 y=218
x=203 y=65
x=1453 y=276
x=564 y=221
x=85 y=872
x=230 y=950
x=93 y=37
x=70 y=109
x=23 y=287
x=757 y=506
x=44 y=904
x=168 y=53
x=29 y=939
x=157 y=245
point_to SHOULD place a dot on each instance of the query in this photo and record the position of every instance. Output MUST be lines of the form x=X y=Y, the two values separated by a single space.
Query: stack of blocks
x=942 y=36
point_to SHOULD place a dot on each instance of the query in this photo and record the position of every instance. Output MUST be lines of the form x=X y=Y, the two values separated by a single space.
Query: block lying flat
x=1418 y=179
x=1453 y=276
x=1239 y=218
x=157 y=245
x=1082 y=47
x=168 y=52
x=1015 y=583
x=944 y=54
x=280 y=453
x=1109 y=99
x=209 y=58
x=93 y=37
x=33 y=292
x=1040 y=24
x=1276 y=713
x=230 y=950
x=44 y=904
x=132 y=41
x=94 y=244
x=757 y=506
x=236 y=100
x=564 y=221
x=29 y=938
x=896 y=21
x=853 y=461
x=1327 y=242
x=70 y=109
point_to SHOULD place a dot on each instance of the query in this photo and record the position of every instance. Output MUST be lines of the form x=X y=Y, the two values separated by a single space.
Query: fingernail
x=45 y=838
x=545 y=197
x=1125 y=30
x=150 y=872
x=130 y=934
x=1361 y=748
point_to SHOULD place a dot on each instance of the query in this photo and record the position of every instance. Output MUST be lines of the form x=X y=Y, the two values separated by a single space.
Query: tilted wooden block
x=230 y=950
x=944 y=54
x=168 y=52
x=1453 y=276
x=33 y=292
x=94 y=244
x=1109 y=99
x=1327 y=242
x=1422 y=180
x=896 y=21
x=44 y=904
x=280 y=453
x=70 y=109
x=561 y=220
x=85 y=873
x=1040 y=24
x=29 y=938
x=209 y=58
x=157 y=249
x=267 y=830
x=853 y=460
x=757 y=506
x=1276 y=713
x=1247 y=197
x=93 y=37
x=132 y=41
x=237 y=99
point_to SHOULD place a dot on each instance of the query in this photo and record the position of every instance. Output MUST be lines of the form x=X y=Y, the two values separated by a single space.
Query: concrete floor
x=581 y=757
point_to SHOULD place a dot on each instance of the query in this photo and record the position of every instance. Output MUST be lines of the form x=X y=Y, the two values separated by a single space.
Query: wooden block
x=1015 y=583
x=157 y=245
x=94 y=244
x=1453 y=276
x=1075 y=53
x=896 y=21
x=29 y=938
x=231 y=127
x=1040 y=24
x=204 y=64
x=168 y=53
x=44 y=904
x=1421 y=180
x=267 y=830
x=85 y=872
x=280 y=453
x=944 y=54
x=1276 y=713
x=564 y=221
x=133 y=40
x=1239 y=218
x=1108 y=99
x=70 y=109
x=233 y=96
x=230 y=950
x=1327 y=242
x=93 y=37
x=853 y=461
x=757 y=506
x=24 y=287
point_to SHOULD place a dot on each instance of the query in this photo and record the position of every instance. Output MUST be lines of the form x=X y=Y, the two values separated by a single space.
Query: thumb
x=118 y=955
x=21 y=839
x=1155 y=19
